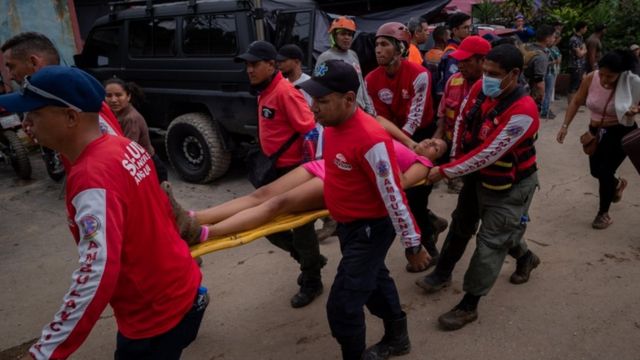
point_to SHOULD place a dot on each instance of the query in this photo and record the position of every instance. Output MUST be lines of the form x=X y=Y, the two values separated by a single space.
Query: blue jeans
x=549 y=85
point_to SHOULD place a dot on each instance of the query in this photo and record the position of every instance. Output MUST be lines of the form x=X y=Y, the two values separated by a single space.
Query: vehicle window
x=293 y=28
x=101 y=48
x=213 y=35
x=152 y=38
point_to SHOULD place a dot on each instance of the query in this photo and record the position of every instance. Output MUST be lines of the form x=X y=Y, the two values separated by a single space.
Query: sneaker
x=329 y=227
x=551 y=115
x=308 y=292
x=432 y=283
x=524 y=268
x=602 y=221
x=622 y=184
x=457 y=318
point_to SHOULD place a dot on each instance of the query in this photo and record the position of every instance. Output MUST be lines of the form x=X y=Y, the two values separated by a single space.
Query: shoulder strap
x=505 y=103
x=284 y=146
x=606 y=105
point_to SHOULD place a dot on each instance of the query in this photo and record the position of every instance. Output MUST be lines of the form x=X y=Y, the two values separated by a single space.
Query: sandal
x=602 y=221
x=622 y=184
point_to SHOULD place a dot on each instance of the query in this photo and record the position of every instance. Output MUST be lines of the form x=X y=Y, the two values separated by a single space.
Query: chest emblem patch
x=268 y=113
x=341 y=162
x=386 y=96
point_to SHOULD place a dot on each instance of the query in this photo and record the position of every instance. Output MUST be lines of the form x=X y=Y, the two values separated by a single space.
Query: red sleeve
x=421 y=103
x=521 y=125
x=298 y=112
x=384 y=174
x=99 y=217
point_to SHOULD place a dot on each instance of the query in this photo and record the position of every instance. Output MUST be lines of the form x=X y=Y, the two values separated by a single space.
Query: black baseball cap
x=257 y=51
x=331 y=76
x=290 y=51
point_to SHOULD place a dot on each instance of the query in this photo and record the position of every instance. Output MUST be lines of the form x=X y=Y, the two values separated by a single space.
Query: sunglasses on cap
x=27 y=86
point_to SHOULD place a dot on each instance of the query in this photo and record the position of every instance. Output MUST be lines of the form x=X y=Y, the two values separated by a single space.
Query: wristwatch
x=413 y=250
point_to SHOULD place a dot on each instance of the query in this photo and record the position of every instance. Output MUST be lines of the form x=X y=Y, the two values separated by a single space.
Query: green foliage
x=487 y=12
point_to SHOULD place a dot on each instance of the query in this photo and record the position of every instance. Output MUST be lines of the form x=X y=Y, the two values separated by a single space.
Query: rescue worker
x=341 y=34
x=401 y=94
x=470 y=56
x=360 y=162
x=493 y=149
x=283 y=112
x=130 y=253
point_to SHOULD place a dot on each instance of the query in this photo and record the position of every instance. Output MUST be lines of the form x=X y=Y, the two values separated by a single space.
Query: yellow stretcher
x=281 y=223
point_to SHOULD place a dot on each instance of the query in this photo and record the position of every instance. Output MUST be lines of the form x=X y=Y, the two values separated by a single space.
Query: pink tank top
x=404 y=155
x=597 y=98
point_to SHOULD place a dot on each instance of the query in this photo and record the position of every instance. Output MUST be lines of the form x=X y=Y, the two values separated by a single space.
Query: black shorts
x=575 y=79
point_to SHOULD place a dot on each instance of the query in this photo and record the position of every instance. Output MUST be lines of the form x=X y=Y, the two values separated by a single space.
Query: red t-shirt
x=497 y=138
x=362 y=176
x=283 y=111
x=131 y=255
x=405 y=98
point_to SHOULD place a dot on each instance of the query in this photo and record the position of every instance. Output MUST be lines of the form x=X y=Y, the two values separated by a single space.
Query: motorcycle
x=53 y=163
x=12 y=150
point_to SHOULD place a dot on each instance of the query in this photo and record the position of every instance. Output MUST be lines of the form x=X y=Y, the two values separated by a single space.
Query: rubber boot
x=352 y=347
x=394 y=342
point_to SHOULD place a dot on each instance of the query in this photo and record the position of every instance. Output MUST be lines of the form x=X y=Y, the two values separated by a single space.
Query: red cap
x=471 y=45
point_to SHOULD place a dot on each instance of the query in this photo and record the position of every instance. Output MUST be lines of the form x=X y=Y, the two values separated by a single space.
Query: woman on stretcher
x=298 y=191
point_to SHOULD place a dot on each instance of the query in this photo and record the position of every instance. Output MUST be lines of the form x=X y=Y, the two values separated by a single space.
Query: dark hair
x=507 y=56
x=544 y=32
x=457 y=19
x=600 y=27
x=618 y=61
x=439 y=33
x=509 y=40
x=26 y=43
x=131 y=88
x=415 y=23
x=580 y=25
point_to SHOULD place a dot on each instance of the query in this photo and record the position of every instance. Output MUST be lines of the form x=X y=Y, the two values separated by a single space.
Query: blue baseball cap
x=59 y=86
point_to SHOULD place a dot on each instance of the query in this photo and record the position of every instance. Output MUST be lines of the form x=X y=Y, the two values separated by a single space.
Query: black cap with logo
x=257 y=51
x=331 y=76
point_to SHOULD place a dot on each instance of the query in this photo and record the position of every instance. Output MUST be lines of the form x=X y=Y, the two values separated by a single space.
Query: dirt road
x=583 y=302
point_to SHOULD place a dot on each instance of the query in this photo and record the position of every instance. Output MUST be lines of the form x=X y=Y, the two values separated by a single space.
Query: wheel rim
x=193 y=151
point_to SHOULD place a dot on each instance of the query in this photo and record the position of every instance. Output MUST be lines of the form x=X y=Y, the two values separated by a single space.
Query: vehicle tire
x=19 y=155
x=195 y=148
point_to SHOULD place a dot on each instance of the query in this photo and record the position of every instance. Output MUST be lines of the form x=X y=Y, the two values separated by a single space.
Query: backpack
x=528 y=54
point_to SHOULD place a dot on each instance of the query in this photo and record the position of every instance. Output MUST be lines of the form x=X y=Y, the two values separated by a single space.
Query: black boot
x=394 y=342
x=310 y=289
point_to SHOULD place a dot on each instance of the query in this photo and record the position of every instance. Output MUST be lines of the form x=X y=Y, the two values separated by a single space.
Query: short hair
x=26 y=43
x=457 y=19
x=580 y=25
x=507 y=56
x=415 y=23
x=439 y=33
x=600 y=27
x=618 y=61
x=544 y=32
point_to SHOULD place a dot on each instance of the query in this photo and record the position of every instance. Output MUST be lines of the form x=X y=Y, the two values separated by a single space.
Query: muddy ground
x=583 y=302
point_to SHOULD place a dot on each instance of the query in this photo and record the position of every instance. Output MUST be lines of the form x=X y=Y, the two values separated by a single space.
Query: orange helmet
x=396 y=31
x=343 y=22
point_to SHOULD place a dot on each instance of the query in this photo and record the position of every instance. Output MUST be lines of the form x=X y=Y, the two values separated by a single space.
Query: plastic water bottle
x=309 y=145
x=202 y=299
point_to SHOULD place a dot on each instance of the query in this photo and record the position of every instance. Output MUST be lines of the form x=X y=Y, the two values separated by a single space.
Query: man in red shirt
x=282 y=114
x=401 y=94
x=360 y=162
x=131 y=256
x=470 y=56
x=493 y=149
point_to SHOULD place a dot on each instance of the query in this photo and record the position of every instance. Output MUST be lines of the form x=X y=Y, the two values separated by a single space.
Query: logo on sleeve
x=386 y=96
x=383 y=169
x=515 y=131
x=89 y=226
x=268 y=113
x=341 y=162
